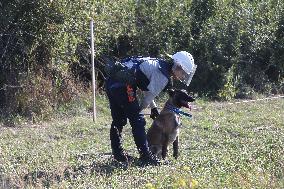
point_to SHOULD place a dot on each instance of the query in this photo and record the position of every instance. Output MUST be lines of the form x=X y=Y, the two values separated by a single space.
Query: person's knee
x=138 y=126
x=116 y=128
x=119 y=123
x=139 y=121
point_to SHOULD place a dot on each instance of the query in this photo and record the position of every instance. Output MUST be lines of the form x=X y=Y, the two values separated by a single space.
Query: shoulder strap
x=165 y=68
x=134 y=59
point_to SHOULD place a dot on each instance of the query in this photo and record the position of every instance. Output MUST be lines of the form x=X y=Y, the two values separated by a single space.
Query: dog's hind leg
x=175 y=148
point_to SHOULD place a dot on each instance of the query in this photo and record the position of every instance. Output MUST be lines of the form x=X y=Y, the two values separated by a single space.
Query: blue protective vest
x=141 y=80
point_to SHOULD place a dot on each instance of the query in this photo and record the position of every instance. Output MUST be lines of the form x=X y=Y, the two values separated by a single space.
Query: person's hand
x=154 y=113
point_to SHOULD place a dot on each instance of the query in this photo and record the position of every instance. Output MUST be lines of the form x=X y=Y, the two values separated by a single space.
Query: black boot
x=122 y=157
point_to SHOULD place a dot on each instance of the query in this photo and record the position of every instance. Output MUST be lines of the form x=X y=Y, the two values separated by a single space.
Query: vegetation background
x=238 y=46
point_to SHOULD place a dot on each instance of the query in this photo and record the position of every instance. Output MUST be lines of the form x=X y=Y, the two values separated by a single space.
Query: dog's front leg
x=175 y=148
x=165 y=144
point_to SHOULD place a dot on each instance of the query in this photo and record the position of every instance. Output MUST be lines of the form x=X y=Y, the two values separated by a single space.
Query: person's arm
x=157 y=83
x=148 y=96
x=147 y=100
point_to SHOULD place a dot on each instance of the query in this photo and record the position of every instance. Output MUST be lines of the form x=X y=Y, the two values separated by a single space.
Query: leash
x=178 y=111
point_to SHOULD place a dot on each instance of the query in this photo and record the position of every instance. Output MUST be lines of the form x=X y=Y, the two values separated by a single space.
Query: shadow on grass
x=47 y=179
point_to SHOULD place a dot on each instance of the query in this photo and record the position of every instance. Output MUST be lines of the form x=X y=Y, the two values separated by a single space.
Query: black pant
x=124 y=105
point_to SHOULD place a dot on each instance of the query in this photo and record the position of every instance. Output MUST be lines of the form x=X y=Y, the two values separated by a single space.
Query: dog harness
x=178 y=111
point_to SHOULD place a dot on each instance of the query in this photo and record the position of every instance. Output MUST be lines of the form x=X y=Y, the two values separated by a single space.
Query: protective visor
x=187 y=77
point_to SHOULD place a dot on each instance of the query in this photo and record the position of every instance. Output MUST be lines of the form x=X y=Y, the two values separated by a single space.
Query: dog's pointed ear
x=171 y=92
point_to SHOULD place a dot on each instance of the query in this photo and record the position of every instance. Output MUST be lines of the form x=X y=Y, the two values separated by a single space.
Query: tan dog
x=165 y=128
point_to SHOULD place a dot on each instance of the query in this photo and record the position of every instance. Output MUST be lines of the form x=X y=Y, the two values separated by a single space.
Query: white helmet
x=186 y=61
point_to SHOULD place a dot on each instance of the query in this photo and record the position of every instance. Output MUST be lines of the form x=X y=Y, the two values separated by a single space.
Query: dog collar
x=178 y=111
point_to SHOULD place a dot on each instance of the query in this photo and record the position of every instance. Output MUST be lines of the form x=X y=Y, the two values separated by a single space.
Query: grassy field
x=223 y=146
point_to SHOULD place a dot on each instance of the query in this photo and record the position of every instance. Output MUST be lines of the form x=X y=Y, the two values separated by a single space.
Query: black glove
x=154 y=113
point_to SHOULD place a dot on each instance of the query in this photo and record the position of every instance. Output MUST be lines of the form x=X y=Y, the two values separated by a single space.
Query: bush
x=236 y=44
